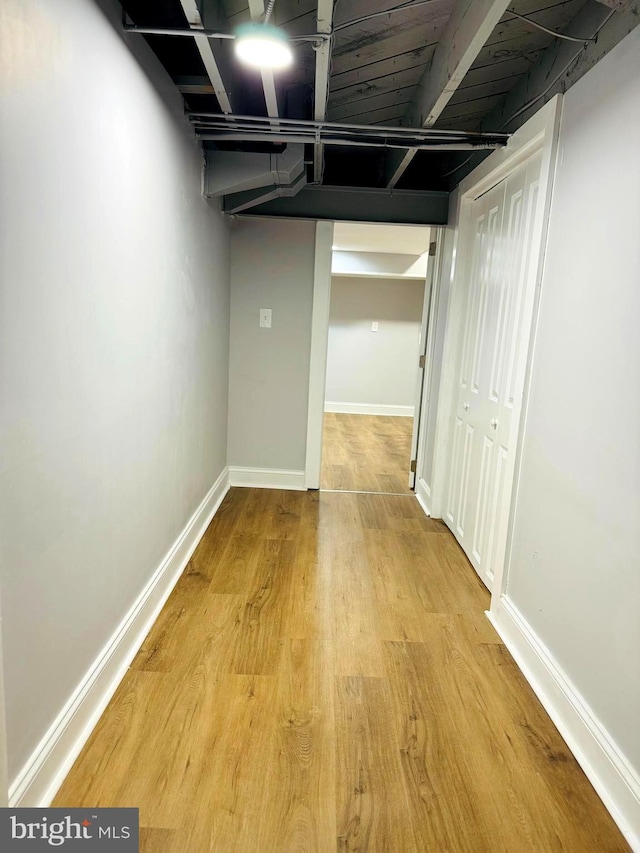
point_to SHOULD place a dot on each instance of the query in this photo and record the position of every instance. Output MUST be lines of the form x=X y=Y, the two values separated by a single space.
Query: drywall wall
x=271 y=267
x=367 y=368
x=113 y=342
x=574 y=573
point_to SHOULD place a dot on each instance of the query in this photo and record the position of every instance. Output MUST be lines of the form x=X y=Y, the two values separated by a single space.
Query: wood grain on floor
x=324 y=678
x=366 y=453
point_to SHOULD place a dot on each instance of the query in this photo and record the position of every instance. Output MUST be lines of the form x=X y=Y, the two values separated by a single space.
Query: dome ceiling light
x=263 y=45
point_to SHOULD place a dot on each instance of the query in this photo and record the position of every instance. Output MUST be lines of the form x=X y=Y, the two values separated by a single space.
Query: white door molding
x=428 y=405
x=539 y=134
x=318 y=359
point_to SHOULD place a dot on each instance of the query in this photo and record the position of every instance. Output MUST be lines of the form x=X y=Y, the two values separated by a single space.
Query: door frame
x=428 y=412
x=425 y=354
x=539 y=133
x=320 y=344
x=318 y=355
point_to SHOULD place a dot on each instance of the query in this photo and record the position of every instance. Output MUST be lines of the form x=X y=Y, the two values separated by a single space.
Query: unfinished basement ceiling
x=383 y=95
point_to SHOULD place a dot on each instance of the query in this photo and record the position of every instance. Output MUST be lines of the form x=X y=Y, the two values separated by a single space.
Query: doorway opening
x=376 y=335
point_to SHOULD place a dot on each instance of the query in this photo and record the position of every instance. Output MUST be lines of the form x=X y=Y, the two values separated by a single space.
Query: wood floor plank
x=303 y=773
x=372 y=803
x=368 y=453
x=260 y=627
x=323 y=677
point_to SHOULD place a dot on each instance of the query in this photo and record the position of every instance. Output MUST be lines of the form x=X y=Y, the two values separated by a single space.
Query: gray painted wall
x=113 y=343
x=366 y=367
x=575 y=573
x=271 y=267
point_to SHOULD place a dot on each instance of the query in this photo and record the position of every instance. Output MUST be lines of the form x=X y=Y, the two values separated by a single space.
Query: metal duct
x=237 y=202
x=234 y=172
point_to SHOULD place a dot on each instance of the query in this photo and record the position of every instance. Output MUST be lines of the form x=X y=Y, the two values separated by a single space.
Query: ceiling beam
x=470 y=25
x=324 y=22
x=351 y=203
x=257 y=10
x=206 y=49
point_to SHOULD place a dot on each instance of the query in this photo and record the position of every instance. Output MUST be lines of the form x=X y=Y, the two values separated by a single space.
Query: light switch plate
x=265 y=318
x=374 y=325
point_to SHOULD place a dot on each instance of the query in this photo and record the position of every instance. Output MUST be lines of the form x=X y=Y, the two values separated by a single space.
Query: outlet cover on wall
x=374 y=325
x=265 y=318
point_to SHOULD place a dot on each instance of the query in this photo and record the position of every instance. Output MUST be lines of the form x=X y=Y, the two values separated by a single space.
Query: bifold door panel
x=498 y=283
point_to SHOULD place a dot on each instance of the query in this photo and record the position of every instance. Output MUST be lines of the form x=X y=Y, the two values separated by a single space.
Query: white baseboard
x=267 y=478
x=44 y=772
x=423 y=494
x=369 y=409
x=615 y=781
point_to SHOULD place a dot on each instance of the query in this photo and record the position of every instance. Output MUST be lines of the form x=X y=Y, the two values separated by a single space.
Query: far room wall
x=373 y=372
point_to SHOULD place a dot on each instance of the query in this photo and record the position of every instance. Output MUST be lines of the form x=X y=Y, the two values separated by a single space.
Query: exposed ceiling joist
x=470 y=25
x=257 y=10
x=205 y=47
x=324 y=21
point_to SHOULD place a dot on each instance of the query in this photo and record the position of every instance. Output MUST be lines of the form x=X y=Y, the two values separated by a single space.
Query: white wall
x=113 y=342
x=575 y=567
x=366 y=368
x=271 y=267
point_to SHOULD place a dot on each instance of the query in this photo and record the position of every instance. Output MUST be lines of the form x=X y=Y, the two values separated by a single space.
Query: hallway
x=323 y=677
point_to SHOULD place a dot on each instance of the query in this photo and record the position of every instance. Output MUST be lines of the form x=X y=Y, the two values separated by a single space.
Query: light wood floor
x=323 y=678
x=367 y=453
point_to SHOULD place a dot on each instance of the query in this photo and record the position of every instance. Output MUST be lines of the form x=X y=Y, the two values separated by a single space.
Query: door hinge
x=412 y=467
x=432 y=248
x=422 y=361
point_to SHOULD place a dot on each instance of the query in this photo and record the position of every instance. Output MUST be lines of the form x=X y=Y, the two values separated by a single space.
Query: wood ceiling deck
x=382 y=52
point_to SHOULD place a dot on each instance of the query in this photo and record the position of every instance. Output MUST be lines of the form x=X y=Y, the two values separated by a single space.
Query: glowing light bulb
x=263 y=46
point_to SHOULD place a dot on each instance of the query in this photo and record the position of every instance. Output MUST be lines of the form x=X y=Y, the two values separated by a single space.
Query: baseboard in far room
x=267 y=478
x=369 y=409
x=615 y=781
x=44 y=772
x=423 y=494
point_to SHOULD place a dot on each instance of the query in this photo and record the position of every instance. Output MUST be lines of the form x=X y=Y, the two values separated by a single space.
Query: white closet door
x=499 y=284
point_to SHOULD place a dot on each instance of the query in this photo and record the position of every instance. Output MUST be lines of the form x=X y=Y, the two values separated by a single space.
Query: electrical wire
x=547 y=30
x=532 y=101
x=381 y=14
x=557 y=77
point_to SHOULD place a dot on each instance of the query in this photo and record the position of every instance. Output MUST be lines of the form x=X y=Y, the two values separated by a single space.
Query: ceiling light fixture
x=263 y=46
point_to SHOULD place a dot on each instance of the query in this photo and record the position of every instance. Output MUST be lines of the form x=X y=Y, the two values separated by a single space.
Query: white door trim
x=434 y=275
x=318 y=359
x=540 y=133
